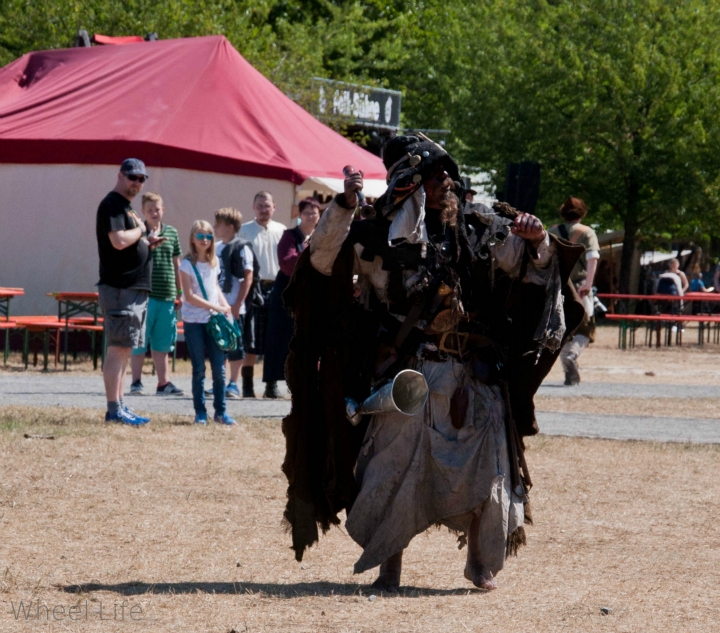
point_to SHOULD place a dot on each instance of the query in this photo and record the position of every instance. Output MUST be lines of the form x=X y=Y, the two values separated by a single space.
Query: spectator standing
x=280 y=323
x=671 y=283
x=236 y=279
x=674 y=267
x=125 y=276
x=697 y=284
x=201 y=296
x=161 y=323
x=264 y=234
x=572 y=211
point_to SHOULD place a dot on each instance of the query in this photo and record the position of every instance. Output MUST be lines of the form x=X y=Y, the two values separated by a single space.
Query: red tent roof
x=123 y=39
x=190 y=103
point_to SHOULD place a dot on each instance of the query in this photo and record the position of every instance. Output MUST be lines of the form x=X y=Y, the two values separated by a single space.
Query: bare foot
x=389 y=578
x=480 y=576
x=386 y=584
x=475 y=570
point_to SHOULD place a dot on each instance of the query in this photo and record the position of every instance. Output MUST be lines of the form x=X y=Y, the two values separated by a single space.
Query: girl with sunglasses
x=201 y=265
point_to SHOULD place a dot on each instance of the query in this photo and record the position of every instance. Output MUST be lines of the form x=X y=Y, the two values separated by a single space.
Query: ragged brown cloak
x=332 y=355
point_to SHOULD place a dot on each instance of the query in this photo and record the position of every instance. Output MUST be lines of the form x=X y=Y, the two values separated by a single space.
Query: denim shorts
x=124 y=311
x=160 y=327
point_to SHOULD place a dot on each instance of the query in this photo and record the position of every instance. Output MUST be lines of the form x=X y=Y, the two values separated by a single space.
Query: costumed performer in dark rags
x=475 y=299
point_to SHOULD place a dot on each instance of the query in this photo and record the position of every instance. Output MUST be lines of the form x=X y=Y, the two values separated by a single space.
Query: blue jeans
x=199 y=342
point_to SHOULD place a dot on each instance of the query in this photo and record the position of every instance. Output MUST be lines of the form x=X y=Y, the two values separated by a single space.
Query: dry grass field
x=177 y=528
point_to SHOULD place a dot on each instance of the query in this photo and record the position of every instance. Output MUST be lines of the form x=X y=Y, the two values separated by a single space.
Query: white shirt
x=675 y=278
x=209 y=275
x=264 y=241
x=235 y=288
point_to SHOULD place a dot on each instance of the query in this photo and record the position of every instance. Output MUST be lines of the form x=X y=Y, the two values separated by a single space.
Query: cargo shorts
x=124 y=312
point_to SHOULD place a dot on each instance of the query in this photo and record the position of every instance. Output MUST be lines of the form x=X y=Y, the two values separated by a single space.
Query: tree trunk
x=631 y=227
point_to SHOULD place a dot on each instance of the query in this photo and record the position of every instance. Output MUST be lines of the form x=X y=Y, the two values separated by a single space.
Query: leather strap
x=413 y=316
x=200 y=282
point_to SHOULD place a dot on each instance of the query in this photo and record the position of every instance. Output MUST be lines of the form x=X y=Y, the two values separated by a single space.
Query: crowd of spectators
x=232 y=268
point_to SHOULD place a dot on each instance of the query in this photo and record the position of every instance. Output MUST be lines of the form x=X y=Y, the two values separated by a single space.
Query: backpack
x=667 y=286
x=233 y=266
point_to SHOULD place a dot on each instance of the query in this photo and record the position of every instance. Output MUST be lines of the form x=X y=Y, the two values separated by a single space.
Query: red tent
x=188 y=103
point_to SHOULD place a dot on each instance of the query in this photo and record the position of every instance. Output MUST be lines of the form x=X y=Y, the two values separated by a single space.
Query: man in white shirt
x=264 y=234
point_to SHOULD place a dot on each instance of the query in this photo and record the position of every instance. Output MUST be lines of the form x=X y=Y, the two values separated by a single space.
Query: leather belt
x=458 y=343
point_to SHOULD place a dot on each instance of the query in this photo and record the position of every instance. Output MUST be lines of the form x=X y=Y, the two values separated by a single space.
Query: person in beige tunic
x=573 y=211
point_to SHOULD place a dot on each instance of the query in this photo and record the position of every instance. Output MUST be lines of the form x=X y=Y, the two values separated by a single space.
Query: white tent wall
x=47 y=220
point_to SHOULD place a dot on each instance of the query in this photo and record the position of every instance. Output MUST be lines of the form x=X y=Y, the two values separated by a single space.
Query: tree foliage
x=617 y=99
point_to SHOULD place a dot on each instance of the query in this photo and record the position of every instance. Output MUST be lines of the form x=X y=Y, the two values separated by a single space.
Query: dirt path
x=182 y=525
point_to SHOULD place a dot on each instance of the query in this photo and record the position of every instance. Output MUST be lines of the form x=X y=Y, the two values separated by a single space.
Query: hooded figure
x=477 y=301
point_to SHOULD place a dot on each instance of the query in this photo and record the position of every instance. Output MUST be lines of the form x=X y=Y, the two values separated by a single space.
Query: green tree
x=617 y=99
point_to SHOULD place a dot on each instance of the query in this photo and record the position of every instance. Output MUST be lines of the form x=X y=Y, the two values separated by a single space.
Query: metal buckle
x=461 y=338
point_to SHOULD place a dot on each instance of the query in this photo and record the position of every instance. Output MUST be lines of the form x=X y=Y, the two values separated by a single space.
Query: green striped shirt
x=163 y=270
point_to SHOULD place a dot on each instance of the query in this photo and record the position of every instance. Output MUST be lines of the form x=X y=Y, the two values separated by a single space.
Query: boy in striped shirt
x=161 y=322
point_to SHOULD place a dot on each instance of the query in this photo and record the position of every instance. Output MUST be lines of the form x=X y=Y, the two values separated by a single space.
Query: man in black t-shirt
x=125 y=273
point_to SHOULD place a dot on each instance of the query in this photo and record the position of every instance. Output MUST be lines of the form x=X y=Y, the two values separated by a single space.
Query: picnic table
x=74 y=305
x=47 y=330
x=628 y=323
x=6 y=296
x=711 y=297
x=6 y=323
x=656 y=322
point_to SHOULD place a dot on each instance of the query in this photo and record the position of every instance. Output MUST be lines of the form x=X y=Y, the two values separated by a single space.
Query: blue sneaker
x=232 y=391
x=142 y=420
x=125 y=417
x=201 y=418
x=225 y=419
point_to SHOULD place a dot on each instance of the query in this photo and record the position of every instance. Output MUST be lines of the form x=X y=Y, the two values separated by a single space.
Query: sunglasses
x=204 y=236
x=134 y=178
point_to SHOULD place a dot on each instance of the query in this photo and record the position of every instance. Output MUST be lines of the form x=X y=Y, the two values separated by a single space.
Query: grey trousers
x=569 y=356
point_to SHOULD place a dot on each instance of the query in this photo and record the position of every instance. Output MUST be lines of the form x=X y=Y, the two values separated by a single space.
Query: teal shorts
x=160 y=327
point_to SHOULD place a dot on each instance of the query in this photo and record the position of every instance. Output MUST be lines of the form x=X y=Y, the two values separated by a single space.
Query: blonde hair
x=202 y=226
x=151 y=197
x=229 y=216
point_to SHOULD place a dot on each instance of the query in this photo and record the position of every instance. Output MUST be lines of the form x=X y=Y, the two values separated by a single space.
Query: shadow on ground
x=270 y=589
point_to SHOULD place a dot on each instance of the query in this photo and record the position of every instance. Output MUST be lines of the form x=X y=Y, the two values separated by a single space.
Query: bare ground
x=184 y=523
x=706 y=408
x=688 y=364
x=602 y=361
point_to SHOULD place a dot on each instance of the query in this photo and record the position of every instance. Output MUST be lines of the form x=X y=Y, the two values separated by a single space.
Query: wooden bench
x=93 y=329
x=48 y=330
x=45 y=329
x=655 y=323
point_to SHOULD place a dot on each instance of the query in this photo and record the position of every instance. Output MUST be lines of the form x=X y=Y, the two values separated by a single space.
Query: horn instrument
x=407 y=393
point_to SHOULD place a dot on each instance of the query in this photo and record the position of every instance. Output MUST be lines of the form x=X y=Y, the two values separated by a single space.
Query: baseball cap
x=133 y=167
